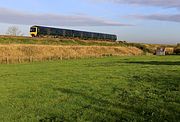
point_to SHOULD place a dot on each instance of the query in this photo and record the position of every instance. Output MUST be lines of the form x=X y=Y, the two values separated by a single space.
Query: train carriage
x=40 y=31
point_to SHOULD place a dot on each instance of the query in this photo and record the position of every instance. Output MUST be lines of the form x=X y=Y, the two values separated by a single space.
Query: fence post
x=7 y=60
x=30 y=59
x=19 y=60
x=49 y=58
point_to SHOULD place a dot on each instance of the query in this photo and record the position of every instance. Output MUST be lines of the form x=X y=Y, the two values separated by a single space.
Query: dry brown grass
x=177 y=49
x=14 y=53
x=169 y=50
x=153 y=47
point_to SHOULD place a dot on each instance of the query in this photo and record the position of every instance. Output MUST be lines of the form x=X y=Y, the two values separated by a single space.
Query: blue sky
x=148 y=21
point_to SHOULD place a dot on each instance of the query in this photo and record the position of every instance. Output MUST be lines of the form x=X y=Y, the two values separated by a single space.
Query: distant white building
x=161 y=51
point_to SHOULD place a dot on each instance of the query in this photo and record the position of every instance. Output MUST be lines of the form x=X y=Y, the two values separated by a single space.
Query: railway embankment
x=19 y=53
x=56 y=41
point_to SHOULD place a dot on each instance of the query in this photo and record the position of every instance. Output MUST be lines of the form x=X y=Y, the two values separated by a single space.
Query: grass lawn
x=109 y=89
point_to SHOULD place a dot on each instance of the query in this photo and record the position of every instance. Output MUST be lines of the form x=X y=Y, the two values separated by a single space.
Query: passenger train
x=41 y=31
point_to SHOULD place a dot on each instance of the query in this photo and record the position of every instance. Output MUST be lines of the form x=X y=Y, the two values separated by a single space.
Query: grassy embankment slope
x=64 y=41
x=55 y=41
x=20 y=49
x=107 y=89
x=29 y=53
x=151 y=48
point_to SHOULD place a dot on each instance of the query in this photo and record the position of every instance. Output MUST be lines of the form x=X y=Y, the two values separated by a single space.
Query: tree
x=14 y=31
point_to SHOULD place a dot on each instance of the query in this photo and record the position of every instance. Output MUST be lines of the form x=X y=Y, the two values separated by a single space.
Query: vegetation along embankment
x=15 y=53
x=25 y=49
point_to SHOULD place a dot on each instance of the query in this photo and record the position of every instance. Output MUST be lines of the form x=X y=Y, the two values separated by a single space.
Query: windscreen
x=33 y=30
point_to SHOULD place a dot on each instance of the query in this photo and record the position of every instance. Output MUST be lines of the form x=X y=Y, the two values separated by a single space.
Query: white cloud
x=160 y=17
x=165 y=4
x=158 y=3
x=16 y=17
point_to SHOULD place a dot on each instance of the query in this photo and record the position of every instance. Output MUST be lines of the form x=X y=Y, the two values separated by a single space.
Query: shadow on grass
x=125 y=63
x=98 y=105
x=140 y=112
x=99 y=101
x=155 y=62
x=137 y=107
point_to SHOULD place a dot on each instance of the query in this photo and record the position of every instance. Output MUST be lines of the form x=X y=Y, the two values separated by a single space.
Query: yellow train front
x=40 y=31
x=34 y=31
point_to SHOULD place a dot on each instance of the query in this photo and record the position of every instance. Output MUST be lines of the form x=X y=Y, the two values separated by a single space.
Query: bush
x=177 y=49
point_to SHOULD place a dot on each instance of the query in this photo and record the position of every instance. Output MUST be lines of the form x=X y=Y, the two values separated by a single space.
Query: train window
x=33 y=30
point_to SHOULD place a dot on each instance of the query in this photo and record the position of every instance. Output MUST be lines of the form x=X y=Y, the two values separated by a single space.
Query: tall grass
x=151 y=48
x=20 y=53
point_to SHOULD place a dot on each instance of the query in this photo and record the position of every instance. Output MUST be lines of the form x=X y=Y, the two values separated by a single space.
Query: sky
x=145 y=21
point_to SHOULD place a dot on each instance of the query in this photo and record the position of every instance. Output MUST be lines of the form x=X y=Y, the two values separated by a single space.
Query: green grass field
x=106 y=89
